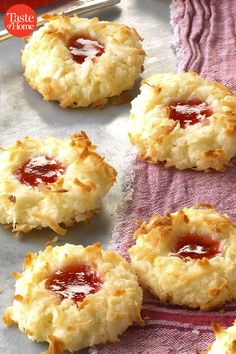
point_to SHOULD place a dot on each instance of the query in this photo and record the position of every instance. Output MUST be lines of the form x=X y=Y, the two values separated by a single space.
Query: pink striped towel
x=204 y=34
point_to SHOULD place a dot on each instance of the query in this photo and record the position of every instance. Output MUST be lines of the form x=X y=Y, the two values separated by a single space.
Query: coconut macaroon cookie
x=225 y=342
x=48 y=182
x=81 y=62
x=74 y=297
x=185 y=122
x=188 y=257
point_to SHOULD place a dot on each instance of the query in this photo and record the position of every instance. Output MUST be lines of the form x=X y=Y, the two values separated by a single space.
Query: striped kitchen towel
x=205 y=42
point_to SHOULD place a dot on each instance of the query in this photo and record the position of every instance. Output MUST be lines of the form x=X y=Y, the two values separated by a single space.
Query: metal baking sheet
x=23 y=112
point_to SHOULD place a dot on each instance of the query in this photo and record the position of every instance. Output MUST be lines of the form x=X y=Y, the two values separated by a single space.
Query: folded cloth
x=204 y=34
x=205 y=38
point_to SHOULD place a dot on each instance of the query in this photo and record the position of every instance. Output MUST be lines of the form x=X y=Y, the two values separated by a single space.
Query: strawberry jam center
x=74 y=282
x=82 y=48
x=196 y=246
x=40 y=169
x=189 y=112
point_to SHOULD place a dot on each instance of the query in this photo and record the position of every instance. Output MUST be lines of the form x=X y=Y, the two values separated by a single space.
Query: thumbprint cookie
x=188 y=257
x=74 y=297
x=225 y=342
x=81 y=62
x=184 y=121
x=48 y=182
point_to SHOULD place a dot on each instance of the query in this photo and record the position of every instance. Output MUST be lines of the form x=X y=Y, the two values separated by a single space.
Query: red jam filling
x=74 y=282
x=196 y=246
x=189 y=112
x=40 y=169
x=82 y=48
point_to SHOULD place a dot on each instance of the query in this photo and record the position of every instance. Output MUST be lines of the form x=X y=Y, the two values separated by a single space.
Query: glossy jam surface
x=196 y=246
x=40 y=169
x=82 y=48
x=74 y=282
x=189 y=112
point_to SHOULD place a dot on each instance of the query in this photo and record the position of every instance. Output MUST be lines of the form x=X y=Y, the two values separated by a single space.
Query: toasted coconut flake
x=7 y=317
x=110 y=74
x=209 y=144
x=77 y=325
x=16 y=275
x=121 y=99
x=86 y=187
x=12 y=198
x=59 y=203
x=56 y=345
x=50 y=222
x=184 y=280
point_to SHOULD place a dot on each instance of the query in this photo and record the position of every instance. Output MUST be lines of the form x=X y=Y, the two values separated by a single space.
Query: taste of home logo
x=20 y=20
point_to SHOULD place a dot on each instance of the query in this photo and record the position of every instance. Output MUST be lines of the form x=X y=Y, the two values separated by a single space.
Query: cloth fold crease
x=205 y=41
